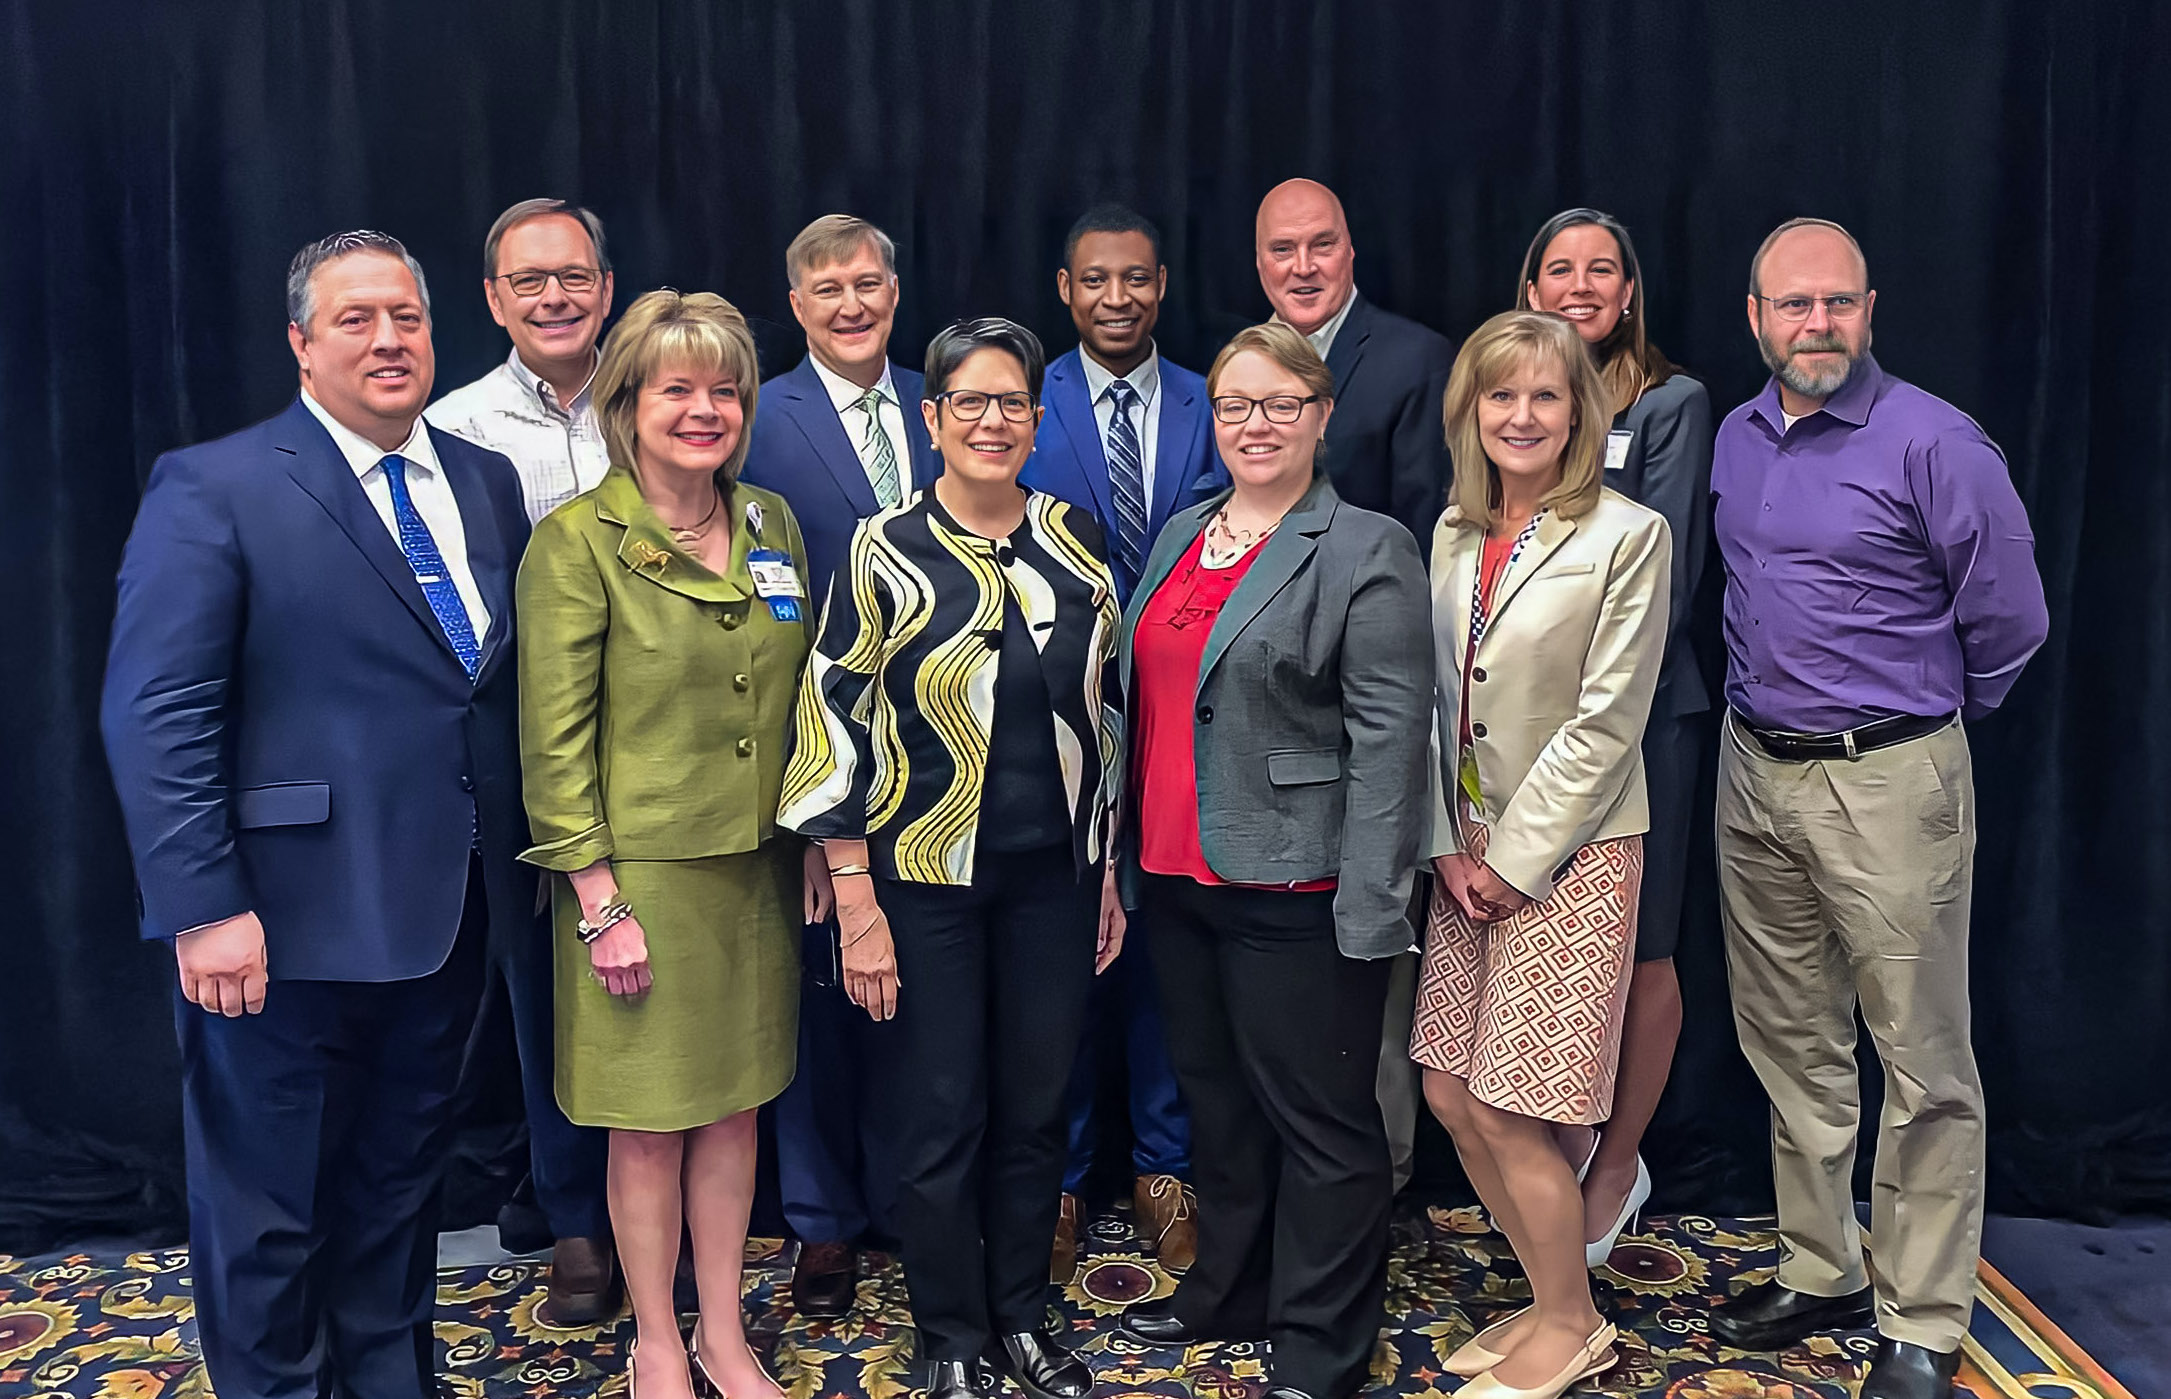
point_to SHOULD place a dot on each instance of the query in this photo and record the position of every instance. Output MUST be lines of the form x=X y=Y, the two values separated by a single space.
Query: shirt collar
x=843 y=393
x=362 y=454
x=1145 y=378
x=1323 y=338
x=1850 y=404
x=544 y=394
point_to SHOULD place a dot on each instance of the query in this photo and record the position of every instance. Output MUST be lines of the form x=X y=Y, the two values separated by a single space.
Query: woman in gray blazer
x=1277 y=663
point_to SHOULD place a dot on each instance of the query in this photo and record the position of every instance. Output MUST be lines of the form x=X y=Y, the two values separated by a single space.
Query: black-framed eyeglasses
x=970 y=405
x=1843 y=307
x=530 y=281
x=1281 y=408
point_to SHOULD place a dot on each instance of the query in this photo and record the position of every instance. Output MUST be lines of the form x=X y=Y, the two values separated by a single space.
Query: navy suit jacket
x=1069 y=460
x=1386 y=446
x=290 y=731
x=801 y=451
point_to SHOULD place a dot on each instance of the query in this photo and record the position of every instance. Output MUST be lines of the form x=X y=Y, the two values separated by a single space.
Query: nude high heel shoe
x=1595 y=1358
x=1475 y=1357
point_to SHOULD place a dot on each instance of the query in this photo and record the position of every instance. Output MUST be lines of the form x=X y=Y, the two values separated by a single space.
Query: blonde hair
x=697 y=329
x=1500 y=347
x=834 y=238
x=1288 y=350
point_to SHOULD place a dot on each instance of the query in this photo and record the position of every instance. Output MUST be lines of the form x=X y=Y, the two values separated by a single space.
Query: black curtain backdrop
x=2004 y=163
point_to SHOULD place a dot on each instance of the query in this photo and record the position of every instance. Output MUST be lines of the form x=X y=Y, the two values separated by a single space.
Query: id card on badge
x=1617 y=448
x=776 y=582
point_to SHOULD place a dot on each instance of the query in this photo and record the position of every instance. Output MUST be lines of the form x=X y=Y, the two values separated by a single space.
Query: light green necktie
x=883 y=473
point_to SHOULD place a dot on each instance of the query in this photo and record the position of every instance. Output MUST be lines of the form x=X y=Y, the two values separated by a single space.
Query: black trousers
x=993 y=981
x=1276 y=1041
x=316 y=1137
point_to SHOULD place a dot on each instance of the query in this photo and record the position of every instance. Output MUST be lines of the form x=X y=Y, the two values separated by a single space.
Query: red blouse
x=1166 y=652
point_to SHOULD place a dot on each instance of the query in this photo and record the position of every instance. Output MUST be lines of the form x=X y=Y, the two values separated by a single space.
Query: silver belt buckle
x=1846 y=741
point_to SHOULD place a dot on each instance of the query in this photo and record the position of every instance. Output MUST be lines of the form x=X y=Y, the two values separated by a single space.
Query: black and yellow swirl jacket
x=898 y=699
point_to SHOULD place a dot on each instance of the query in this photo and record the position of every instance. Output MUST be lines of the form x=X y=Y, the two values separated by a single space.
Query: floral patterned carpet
x=119 y=1327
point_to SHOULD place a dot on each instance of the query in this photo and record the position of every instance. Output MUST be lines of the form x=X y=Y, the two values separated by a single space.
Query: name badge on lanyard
x=1617 y=448
x=776 y=582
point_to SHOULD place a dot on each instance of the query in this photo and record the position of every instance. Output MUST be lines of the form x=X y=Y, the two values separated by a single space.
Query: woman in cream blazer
x=1549 y=623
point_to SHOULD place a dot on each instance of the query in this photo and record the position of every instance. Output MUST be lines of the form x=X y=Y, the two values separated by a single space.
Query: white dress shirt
x=845 y=396
x=426 y=487
x=558 y=451
x=1146 y=381
x=1323 y=338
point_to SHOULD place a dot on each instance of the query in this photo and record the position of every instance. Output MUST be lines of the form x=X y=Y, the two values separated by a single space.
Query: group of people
x=1322 y=733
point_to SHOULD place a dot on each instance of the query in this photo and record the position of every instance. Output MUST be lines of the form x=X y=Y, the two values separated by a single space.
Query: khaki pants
x=1847 y=881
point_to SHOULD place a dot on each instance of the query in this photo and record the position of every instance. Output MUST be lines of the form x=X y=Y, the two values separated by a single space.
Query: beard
x=1811 y=383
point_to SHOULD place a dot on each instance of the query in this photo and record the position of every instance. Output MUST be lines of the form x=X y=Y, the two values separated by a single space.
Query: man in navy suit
x=839 y=438
x=309 y=713
x=1128 y=437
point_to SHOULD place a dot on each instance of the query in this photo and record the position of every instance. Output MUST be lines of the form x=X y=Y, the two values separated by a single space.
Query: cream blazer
x=1559 y=689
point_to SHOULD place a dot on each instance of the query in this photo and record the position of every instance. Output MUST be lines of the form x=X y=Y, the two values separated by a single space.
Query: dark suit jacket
x=1386 y=445
x=1314 y=713
x=1070 y=461
x=288 y=728
x=801 y=451
x=1668 y=468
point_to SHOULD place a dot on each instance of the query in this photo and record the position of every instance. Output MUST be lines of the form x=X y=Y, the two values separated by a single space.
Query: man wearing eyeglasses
x=840 y=438
x=547 y=280
x=1881 y=590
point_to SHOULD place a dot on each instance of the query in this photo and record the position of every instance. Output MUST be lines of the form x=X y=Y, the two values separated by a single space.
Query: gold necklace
x=691 y=534
x=1225 y=543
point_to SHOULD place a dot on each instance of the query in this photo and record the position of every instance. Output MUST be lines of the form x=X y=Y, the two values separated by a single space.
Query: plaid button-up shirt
x=558 y=451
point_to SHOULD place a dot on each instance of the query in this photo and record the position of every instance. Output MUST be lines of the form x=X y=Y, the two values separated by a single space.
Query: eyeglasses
x=1843 y=307
x=970 y=405
x=530 y=281
x=1282 y=408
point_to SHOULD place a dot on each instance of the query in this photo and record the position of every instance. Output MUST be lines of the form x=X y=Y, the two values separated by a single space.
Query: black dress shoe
x=1901 y=1370
x=1045 y=1368
x=825 y=1280
x=1771 y=1317
x=1160 y=1326
x=957 y=1379
x=1282 y=1391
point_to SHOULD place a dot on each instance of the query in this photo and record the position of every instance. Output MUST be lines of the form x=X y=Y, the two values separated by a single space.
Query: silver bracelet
x=607 y=918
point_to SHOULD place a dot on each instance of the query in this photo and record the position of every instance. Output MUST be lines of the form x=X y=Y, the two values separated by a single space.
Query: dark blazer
x=288 y=728
x=801 y=451
x=1314 y=713
x=1070 y=461
x=1668 y=468
x=1386 y=446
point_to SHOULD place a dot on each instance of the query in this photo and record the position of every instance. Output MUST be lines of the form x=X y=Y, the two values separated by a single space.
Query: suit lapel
x=1553 y=531
x=1167 y=549
x=486 y=552
x=1183 y=417
x=647 y=551
x=1073 y=411
x=806 y=403
x=926 y=461
x=1347 y=351
x=1456 y=566
x=1285 y=552
x=314 y=461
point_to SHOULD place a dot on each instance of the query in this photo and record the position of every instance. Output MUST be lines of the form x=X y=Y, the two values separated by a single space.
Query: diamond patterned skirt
x=1528 y=1011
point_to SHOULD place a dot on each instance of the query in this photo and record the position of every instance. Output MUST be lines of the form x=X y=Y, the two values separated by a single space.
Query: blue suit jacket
x=800 y=450
x=1070 y=462
x=290 y=731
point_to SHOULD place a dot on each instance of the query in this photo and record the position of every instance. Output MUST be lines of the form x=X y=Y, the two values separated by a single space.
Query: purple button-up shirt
x=1878 y=560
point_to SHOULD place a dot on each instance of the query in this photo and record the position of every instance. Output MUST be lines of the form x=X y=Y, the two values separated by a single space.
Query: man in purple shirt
x=1881 y=587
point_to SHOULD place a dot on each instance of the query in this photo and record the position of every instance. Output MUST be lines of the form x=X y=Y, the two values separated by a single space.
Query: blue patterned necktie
x=1127 y=480
x=429 y=567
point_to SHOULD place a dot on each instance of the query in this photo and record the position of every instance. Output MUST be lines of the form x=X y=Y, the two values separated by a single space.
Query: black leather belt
x=1847 y=743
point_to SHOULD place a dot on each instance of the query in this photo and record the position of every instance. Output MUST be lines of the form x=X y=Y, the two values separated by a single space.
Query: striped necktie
x=1127 y=480
x=430 y=570
x=882 y=466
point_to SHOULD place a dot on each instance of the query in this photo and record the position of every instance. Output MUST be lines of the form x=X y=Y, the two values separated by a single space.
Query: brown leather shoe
x=583 y=1283
x=1063 y=1258
x=1168 y=1213
x=825 y=1280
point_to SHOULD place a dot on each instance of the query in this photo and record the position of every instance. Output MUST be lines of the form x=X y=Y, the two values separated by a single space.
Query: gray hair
x=301 y=296
x=534 y=209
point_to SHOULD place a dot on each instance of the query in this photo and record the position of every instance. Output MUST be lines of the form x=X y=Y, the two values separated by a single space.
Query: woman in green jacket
x=664 y=621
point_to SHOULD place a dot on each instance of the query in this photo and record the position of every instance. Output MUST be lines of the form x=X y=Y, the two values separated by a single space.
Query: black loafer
x=958 y=1379
x=1771 y=1317
x=1044 y=1368
x=1161 y=1327
x=1282 y=1391
x=1902 y=1370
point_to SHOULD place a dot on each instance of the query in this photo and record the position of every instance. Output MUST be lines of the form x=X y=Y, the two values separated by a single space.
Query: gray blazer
x=1314 y=713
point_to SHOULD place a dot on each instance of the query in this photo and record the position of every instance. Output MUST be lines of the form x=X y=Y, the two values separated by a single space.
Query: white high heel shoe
x=1631 y=1210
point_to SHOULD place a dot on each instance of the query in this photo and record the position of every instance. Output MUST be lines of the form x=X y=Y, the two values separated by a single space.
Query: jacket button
x=742 y=683
x=746 y=748
x=731 y=621
x=1477 y=731
x=1477 y=673
x=994 y=639
x=467 y=784
x=1206 y=714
